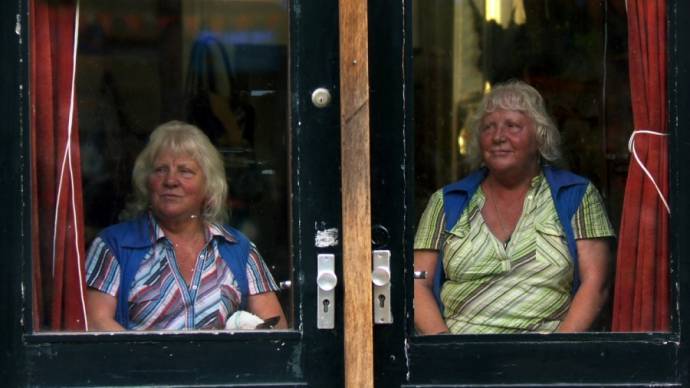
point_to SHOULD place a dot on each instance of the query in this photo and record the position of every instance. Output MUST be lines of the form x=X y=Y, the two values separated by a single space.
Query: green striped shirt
x=525 y=287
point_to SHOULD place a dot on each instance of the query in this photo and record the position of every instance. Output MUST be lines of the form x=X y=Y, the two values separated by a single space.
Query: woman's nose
x=498 y=135
x=170 y=179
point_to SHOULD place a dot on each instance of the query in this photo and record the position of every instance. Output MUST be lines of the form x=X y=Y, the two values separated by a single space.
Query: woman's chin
x=500 y=166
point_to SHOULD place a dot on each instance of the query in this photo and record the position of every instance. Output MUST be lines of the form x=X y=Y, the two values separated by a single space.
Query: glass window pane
x=573 y=53
x=218 y=64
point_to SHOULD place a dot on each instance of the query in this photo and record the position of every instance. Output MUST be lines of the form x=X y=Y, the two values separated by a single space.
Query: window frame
x=637 y=359
x=661 y=358
x=55 y=358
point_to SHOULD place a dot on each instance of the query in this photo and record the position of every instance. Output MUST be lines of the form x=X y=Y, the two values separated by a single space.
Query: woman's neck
x=508 y=184
x=187 y=227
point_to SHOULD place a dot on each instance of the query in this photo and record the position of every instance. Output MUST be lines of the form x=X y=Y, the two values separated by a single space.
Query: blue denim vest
x=130 y=242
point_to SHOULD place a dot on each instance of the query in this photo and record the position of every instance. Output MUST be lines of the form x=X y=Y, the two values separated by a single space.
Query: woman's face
x=508 y=142
x=176 y=187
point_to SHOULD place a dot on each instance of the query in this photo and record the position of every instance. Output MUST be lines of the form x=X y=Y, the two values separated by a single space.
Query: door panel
x=303 y=355
x=391 y=191
x=406 y=169
x=316 y=181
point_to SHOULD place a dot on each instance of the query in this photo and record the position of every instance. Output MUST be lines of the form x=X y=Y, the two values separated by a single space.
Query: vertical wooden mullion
x=356 y=208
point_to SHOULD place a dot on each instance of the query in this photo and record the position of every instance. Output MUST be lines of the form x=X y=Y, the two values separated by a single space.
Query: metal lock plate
x=381 y=279
x=326 y=280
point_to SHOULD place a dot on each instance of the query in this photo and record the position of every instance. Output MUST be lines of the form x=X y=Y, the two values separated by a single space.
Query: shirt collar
x=218 y=231
x=537 y=180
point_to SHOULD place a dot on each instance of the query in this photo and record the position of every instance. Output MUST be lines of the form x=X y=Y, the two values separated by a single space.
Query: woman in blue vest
x=175 y=264
x=519 y=245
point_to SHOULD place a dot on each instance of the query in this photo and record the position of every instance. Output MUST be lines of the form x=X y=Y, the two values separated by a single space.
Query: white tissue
x=243 y=320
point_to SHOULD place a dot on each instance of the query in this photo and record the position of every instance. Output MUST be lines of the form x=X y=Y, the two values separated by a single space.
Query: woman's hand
x=594 y=262
x=266 y=306
x=427 y=316
x=100 y=311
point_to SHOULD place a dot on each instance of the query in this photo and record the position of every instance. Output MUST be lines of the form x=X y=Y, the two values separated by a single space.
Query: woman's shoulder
x=230 y=233
x=136 y=232
x=562 y=177
x=468 y=183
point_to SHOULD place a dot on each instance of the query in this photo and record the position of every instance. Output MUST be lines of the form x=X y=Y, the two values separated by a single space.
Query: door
x=311 y=352
x=138 y=64
x=446 y=53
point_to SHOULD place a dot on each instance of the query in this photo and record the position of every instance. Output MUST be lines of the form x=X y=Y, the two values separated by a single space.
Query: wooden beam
x=355 y=164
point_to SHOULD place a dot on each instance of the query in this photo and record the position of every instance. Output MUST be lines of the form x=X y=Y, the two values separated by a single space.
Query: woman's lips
x=499 y=152
x=170 y=196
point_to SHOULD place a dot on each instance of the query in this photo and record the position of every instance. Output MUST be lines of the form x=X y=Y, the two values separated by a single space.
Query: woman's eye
x=514 y=127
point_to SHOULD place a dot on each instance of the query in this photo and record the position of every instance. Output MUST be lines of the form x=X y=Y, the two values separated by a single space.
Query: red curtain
x=641 y=295
x=57 y=210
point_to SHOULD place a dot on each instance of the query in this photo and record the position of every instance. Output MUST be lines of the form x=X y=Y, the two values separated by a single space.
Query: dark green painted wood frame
x=607 y=359
x=523 y=361
x=297 y=358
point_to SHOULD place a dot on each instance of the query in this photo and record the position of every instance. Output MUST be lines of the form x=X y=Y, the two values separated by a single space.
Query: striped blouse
x=524 y=287
x=160 y=298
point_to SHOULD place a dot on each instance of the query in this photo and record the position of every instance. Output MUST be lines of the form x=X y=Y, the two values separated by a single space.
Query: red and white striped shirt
x=160 y=298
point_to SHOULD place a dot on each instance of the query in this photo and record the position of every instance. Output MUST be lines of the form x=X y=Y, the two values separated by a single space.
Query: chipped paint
x=18 y=30
x=21 y=316
x=295 y=362
x=407 y=360
x=18 y=26
x=300 y=305
x=326 y=238
x=404 y=161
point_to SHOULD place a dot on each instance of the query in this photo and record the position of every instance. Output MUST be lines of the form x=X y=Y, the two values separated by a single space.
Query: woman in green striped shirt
x=507 y=264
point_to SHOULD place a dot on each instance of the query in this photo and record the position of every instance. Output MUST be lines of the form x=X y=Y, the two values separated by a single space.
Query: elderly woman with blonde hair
x=519 y=245
x=175 y=265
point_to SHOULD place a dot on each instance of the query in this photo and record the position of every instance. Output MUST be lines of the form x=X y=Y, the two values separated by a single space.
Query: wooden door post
x=355 y=164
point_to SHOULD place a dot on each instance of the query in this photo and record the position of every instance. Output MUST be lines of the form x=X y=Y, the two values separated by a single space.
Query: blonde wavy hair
x=517 y=96
x=181 y=138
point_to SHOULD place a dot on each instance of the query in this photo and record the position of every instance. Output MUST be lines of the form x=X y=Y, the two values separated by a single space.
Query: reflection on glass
x=219 y=65
x=574 y=54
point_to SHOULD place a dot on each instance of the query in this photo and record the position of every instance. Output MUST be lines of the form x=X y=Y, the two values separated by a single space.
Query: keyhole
x=382 y=300
x=321 y=97
x=326 y=302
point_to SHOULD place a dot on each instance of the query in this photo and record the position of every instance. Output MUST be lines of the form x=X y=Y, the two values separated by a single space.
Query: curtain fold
x=641 y=294
x=57 y=209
